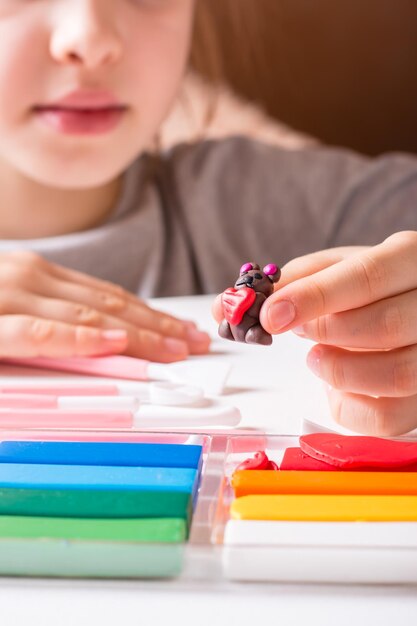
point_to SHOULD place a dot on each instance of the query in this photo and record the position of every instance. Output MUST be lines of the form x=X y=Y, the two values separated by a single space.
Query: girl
x=89 y=219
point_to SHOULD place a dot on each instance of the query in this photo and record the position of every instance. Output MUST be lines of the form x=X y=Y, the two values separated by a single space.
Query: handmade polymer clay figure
x=242 y=304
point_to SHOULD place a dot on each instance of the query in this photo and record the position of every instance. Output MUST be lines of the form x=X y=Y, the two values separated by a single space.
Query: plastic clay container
x=308 y=551
x=218 y=548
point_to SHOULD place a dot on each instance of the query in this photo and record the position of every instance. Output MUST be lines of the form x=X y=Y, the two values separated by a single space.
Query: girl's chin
x=60 y=174
x=72 y=161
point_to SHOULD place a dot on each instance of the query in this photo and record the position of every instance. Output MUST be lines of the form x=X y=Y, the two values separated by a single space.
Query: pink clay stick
x=125 y=396
x=210 y=374
x=113 y=366
x=244 y=440
x=37 y=401
x=53 y=418
x=115 y=436
x=60 y=389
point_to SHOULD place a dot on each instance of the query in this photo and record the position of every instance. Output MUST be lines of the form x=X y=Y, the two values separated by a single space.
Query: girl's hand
x=47 y=310
x=360 y=305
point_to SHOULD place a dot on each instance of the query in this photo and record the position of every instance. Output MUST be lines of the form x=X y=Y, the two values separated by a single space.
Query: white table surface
x=274 y=390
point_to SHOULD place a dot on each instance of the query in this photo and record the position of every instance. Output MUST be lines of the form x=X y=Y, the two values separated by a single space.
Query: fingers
x=116 y=306
x=299 y=268
x=146 y=344
x=217 y=309
x=105 y=308
x=112 y=299
x=73 y=276
x=387 y=324
x=379 y=272
x=380 y=417
x=34 y=287
x=28 y=336
x=390 y=373
x=315 y=262
x=141 y=342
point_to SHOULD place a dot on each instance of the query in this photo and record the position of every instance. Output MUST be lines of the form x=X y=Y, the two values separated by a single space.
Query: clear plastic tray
x=208 y=556
x=335 y=552
x=96 y=559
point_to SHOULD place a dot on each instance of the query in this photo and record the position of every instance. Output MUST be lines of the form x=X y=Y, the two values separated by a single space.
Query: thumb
x=217 y=309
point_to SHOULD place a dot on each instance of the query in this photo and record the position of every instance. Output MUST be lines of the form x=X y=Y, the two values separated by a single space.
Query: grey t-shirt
x=187 y=220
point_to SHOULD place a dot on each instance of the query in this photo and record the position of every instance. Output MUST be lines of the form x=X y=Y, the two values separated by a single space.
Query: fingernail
x=175 y=345
x=114 y=336
x=196 y=336
x=190 y=324
x=313 y=360
x=299 y=330
x=281 y=314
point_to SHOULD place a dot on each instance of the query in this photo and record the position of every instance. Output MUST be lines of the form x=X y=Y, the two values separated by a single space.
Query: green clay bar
x=166 y=530
x=89 y=559
x=95 y=503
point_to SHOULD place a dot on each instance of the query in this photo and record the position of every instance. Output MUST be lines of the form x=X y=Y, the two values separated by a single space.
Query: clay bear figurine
x=242 y=304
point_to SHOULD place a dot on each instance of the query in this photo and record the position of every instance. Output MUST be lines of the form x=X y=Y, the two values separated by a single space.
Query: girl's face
x=126 y=56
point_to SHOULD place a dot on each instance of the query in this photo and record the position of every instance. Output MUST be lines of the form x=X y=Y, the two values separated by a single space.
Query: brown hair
x=227 y=38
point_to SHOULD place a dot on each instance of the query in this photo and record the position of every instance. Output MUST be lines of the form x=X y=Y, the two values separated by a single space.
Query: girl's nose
x=85 y=34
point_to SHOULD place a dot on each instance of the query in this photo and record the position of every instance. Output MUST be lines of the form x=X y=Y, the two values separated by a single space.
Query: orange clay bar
x=348 y=483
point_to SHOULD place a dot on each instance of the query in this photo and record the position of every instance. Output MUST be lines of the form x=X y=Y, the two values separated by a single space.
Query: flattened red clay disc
x=349 y=452
x=295 y=459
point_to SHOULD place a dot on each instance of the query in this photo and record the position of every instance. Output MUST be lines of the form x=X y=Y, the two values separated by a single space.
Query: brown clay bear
x=242 y=304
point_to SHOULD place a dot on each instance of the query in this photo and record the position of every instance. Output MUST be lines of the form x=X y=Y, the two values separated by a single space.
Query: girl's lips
x=77 y=121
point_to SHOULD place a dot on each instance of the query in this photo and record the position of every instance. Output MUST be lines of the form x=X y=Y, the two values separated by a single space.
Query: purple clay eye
x=270 y=269
x=247 y=267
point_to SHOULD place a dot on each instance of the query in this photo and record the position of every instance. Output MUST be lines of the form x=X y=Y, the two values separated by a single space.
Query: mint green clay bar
x=126 y=530
x=95 y=503
x=89 y=559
